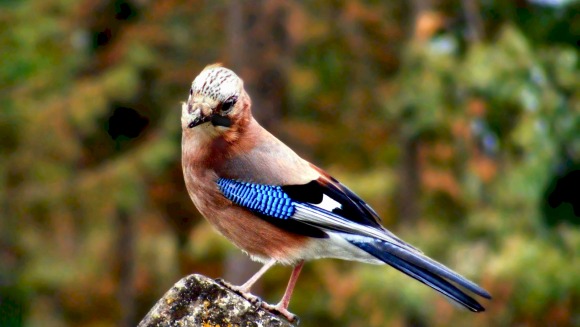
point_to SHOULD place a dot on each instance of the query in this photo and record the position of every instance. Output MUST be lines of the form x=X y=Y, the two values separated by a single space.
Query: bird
x=279 y=208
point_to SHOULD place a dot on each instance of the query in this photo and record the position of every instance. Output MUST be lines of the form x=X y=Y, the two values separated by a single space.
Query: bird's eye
x=228 y=105
x=191 y=125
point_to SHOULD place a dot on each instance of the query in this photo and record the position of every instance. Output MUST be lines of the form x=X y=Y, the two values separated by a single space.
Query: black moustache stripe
x=218 y=120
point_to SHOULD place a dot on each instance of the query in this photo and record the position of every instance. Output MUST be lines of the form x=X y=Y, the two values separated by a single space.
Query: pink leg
x=282 y=306
x=247 y=285
x=244 y=290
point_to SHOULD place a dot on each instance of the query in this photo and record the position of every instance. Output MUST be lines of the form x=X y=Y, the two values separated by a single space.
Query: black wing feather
x=300 y=209
x=352 y=207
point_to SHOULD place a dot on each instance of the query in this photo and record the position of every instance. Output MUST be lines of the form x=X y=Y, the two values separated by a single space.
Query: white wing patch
x=328 y=203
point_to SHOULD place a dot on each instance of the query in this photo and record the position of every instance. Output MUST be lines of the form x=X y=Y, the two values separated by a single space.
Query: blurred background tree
x=457 y=121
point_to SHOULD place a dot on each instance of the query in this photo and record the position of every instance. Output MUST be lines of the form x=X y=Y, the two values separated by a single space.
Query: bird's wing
x=274 y=183
x=309 y=206
x=320 y=201
x=352 y=207
x=315 y=204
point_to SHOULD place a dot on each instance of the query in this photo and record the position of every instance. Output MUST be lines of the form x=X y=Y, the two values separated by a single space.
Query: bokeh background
x=457 y=120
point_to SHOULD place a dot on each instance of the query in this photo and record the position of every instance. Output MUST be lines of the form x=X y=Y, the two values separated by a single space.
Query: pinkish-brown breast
x=247 y=231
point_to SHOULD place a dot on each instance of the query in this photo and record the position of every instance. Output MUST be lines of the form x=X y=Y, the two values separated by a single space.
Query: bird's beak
x=199 y=114
x=199 y=119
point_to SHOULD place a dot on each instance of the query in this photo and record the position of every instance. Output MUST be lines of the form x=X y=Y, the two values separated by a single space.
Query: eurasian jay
x=279 y=208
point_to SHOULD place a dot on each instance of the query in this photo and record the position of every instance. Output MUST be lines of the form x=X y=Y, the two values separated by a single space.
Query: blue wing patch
x=268 y=200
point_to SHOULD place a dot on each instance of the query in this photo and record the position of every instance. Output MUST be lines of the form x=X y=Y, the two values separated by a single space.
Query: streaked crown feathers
x=216 y=82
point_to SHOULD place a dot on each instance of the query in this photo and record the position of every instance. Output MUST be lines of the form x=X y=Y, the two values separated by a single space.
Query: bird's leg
x=290 y=288
x=244 y=289
x=247 y=285
x=282 y=306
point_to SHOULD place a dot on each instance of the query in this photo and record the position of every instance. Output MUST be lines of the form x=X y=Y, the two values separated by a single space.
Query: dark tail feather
x=381 y=250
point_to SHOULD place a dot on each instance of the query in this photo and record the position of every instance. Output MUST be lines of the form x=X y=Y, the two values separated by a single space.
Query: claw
x=253 y=299
x=281 y=310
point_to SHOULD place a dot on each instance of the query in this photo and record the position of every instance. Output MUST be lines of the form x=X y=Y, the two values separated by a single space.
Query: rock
x=197 y=300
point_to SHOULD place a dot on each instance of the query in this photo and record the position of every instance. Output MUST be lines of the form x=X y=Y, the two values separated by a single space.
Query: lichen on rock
x=197 y=300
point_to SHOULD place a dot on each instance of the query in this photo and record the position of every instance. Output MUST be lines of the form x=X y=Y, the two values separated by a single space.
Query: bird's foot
x=242 y=292
x=278 y=308
x=281 y=310
x=227 y=285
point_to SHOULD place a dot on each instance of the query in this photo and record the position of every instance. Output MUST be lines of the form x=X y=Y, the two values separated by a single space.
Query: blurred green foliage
x=466 y=144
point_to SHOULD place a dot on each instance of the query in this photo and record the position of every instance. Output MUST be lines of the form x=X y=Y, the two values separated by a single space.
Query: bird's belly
x=260 y=239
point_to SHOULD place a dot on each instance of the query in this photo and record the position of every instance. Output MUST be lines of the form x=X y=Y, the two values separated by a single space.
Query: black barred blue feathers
x=268 y=200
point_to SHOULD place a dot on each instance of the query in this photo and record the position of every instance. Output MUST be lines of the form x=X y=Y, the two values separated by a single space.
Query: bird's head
x=217 y=103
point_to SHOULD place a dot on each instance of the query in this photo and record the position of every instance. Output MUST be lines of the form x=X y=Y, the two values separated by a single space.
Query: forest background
x=457 y=120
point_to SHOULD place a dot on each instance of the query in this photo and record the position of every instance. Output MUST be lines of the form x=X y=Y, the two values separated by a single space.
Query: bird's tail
x=423 y=269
